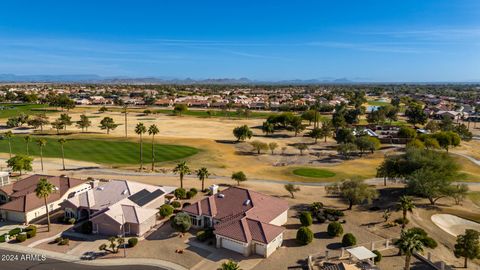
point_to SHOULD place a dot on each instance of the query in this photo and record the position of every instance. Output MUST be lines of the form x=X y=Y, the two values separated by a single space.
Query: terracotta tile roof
x=243 y=215
x=24 y=199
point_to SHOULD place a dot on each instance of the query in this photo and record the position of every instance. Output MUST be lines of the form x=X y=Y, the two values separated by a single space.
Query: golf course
x=100 y=151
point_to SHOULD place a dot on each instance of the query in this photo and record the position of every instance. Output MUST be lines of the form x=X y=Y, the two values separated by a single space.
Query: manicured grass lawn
x=100 y=151
x=217 y=113
x=314 y=173
x=474 y=196
x=9 y=110
x=377 y=103
x=469 y=169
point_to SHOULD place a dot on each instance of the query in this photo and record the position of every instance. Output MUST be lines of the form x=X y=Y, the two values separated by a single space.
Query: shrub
x=333 y=212
x=86 y=227
x=429 y=242
x=132 y=242
x=64 y=242
x=334 y=229
x=349 y=240
x=190 y=194
x=14 y=231
x=401 y=221
x=202 y=236
x=180 y=193
x=165 y=210
x=194 y=190
x=102 y=247
x=306 y=219
x=21 y=237
x=72 y=221
x=2 y=238
x=379 y=256
x=58 y=240
x=316 y=206
x=181 y=222
x=321 y=218
x=176 y=204
x=31 y=233
x=304 y=236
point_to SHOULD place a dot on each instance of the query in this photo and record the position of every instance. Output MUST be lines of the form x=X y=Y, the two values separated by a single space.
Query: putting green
x=100 y=150
x=314 y=173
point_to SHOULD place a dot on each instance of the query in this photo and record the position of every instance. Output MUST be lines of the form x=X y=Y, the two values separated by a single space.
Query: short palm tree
x=230 y=265
x=153 y=130
x=9 y=136
x=43 y=190
x=405 y=205
x=409 y=243
x=182 y=169
x=62 y=141
x=140 y=129
x=42 y=143
x=203 y=174
x=27 y=139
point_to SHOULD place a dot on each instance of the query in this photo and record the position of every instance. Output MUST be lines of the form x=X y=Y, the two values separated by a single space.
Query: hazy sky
x=407 y=40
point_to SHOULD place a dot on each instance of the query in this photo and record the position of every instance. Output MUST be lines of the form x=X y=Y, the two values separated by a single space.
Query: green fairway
x=9 y=110
x=100 y=151
x=313 y=173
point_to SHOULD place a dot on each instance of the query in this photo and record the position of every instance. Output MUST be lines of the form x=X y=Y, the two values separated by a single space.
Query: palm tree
x=62 y=141
x=27 y=139
x=140 y=129
x=125 y=112
x=9 y=136
x=42 y=143
x=409 y=243
x=182 y=169
x=406 y=205
x=203 y=174
x=230 y=265
x=43 y=190
x=153 y=130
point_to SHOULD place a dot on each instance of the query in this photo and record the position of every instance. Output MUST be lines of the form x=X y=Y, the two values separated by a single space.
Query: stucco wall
x=281 y=219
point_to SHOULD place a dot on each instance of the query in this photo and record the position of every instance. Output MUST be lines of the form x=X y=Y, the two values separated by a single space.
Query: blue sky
x=408 y=40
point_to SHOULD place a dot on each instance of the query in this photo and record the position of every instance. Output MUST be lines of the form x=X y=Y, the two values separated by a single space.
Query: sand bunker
x=454 y=225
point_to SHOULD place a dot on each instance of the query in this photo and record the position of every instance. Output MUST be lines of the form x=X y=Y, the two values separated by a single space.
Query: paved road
x=22 y=263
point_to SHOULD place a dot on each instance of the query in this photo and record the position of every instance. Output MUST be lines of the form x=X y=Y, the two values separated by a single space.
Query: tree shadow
x=334 y=246
x=321 y=235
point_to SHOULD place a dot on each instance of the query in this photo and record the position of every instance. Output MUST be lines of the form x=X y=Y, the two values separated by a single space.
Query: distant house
x=22 y=205
x=117 y=203
x=244 y=221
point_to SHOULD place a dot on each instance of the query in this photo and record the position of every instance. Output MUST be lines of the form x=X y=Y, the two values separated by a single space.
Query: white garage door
x=260 y=249
x=228 y=244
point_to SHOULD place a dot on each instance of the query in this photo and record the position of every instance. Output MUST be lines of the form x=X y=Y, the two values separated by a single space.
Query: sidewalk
x=99 y=262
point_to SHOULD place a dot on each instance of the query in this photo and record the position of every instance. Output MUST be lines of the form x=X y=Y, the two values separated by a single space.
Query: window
x=51 y=206
x=3 y=198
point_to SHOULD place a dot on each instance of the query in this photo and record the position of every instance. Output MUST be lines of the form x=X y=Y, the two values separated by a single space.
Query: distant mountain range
x=96 y=79
x=93 y=78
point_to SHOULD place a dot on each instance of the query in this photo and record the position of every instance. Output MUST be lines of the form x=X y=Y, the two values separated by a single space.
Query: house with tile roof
x=23 y=206
x=243 y=220
x=117 y=205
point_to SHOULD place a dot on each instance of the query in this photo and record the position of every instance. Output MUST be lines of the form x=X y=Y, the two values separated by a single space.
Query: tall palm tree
x=62 y=141
x=140 y=129
x=153 y=130
x=182 y=169
x=405 y=205
x=409 y=243
x=27 y=139
x=9 y=136
x=43 y=190
x=125 y=112
x=203 y=174
x=42 y=143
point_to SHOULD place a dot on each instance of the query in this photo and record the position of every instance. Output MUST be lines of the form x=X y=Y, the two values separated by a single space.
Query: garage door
x=228 y=244
x=260 y=249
